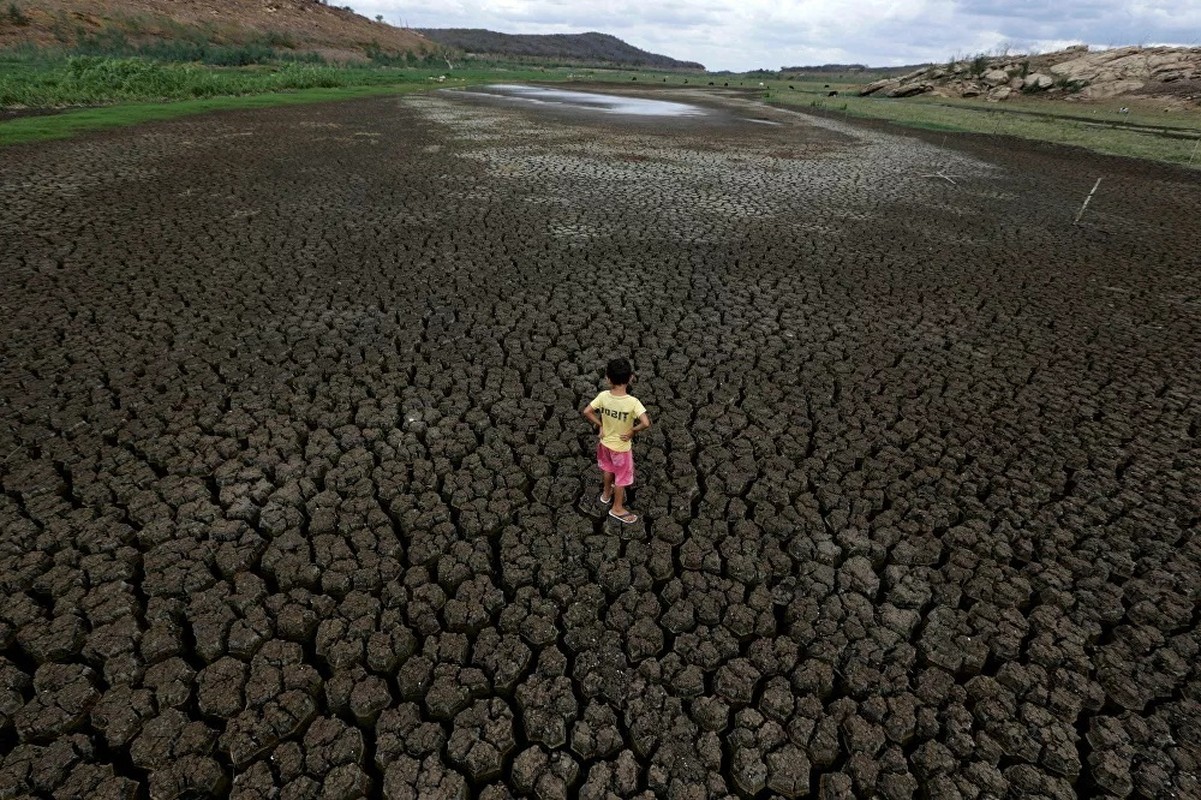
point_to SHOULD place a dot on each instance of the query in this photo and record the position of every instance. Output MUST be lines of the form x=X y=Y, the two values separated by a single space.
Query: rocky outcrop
x=1074 y=73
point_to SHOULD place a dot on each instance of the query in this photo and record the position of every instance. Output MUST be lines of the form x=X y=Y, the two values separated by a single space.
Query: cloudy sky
x=750 y=34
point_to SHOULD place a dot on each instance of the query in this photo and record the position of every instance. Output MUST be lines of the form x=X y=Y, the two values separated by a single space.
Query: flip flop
x=627 y=518
x=603 y=501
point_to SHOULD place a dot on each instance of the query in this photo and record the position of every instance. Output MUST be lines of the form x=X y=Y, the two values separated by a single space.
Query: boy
x=616 y=425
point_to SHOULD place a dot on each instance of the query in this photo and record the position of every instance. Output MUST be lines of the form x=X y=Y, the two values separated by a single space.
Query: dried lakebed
x=295 y=501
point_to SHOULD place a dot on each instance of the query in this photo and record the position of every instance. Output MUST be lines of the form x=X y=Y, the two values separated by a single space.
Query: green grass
x=71 y=123
x=95 y=80
x=130 y=91
x=1155 y=135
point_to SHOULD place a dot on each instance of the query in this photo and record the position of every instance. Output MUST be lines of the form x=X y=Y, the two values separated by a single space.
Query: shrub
x=88 y=79
x=62 y=27
x=122 y=77
x=195 y=47
x=979 y=64
x=238 y=56
x=133 y=23
x=276 y=39
x=16 y=16
x=108 y=42
x=1071 y=85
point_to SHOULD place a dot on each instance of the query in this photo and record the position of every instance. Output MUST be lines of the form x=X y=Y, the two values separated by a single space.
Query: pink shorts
x=620 y=464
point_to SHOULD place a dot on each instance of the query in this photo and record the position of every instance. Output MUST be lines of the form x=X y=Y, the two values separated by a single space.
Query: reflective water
x=592 y=101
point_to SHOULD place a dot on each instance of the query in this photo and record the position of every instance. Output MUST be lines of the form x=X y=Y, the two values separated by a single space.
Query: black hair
x=619 y=371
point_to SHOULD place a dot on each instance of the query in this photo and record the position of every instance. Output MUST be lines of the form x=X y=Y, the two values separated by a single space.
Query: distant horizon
x=746 y=35
x=868 y=66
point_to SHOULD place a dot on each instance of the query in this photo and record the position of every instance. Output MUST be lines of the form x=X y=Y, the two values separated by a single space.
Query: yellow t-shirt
x=618 y=414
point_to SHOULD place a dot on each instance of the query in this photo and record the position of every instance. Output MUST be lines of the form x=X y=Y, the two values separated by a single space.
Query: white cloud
x=749 y=34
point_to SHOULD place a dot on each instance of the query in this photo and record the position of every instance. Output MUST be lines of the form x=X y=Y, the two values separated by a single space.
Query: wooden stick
x=1085 y=205
x=942 y=173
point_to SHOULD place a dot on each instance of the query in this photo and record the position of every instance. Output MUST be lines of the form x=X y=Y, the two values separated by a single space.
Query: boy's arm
x=590 y=412
x=644 y=423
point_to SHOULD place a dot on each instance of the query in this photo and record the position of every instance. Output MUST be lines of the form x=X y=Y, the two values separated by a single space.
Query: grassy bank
x=1145 y=132
x=70 y=123
x=97 y=80
x=126 y=91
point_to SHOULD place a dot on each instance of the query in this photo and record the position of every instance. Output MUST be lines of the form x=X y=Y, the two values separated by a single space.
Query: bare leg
x=607 y=491
x=619 y=498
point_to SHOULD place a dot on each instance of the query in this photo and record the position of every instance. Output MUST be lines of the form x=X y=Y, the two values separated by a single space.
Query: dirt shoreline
x=294 y=492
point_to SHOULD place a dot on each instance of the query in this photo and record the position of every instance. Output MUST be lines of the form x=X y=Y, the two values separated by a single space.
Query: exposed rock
x=876 y=86
x=908 y=90
x=1101 y=91
x=995 y=77
x=1081 y=74
x=1075 y=68
x=1038 y=81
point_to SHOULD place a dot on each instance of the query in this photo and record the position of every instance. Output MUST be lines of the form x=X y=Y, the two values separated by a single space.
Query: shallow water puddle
x=592 y=101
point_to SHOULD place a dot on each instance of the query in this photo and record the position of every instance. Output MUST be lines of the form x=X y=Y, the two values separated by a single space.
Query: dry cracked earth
x=297 y=503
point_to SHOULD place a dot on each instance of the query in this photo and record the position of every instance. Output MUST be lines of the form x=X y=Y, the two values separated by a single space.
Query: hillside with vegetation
x=146 y=27
x=575 y=48
x=844 y=69
x=60 y=54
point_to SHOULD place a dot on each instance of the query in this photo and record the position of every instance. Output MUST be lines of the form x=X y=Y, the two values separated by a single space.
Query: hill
x=1167 y=73
x=839 y=69
x=581 y=48
x=302 y=25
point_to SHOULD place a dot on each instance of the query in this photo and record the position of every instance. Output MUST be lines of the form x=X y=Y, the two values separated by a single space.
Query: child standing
x=620 y=417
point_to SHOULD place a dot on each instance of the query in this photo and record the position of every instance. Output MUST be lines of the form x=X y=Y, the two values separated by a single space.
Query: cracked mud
x=296 y=502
